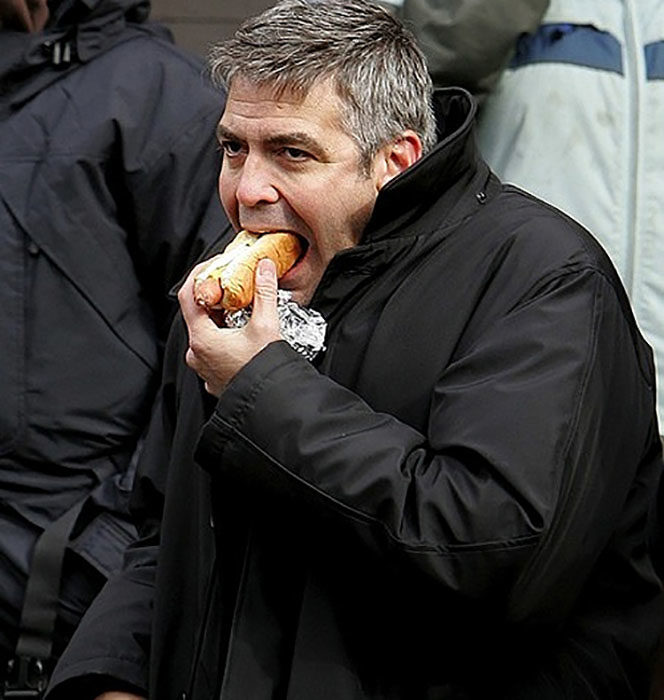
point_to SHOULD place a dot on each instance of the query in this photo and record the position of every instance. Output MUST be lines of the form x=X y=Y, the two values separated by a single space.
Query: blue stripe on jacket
x=654 y=54
x=581 y=45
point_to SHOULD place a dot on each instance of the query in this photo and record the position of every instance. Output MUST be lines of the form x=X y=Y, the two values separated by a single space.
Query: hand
x=218 y=354
x=119 y=696
x=23 y=16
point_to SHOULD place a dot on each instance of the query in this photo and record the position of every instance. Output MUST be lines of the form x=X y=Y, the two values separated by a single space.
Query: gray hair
x=378 y=69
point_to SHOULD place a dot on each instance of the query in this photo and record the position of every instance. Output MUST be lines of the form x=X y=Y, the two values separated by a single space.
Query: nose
x=255 y=185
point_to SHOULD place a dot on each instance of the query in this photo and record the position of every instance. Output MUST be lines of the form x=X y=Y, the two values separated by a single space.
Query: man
x=452 y=501
x=107 y=196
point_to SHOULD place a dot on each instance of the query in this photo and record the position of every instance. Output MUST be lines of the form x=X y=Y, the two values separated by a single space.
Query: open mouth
x=304 y=243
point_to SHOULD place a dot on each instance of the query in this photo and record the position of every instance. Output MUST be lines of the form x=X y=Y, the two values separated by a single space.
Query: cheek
x=227 y=196
x=343 y=212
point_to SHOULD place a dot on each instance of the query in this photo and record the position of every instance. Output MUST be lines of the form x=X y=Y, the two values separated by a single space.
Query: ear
x=396 y=156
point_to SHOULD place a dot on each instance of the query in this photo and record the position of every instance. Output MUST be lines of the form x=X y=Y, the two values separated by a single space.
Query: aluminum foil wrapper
x=302 y=328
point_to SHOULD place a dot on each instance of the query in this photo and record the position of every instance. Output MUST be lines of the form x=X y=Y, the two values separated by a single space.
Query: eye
x=231 y=148
x=295 y=154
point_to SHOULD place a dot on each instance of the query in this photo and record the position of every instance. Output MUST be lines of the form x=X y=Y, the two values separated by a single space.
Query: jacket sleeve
x=109 y=650
x=515 y=484
x=468 y=43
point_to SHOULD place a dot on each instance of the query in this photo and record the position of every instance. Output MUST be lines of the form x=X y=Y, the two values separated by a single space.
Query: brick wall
x=198 y=23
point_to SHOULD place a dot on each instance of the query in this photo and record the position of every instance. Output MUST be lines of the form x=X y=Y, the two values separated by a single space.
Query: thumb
x=265 y=295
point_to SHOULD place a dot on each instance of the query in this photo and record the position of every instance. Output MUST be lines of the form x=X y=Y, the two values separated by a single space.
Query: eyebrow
x=224 y=134
x=296 y=139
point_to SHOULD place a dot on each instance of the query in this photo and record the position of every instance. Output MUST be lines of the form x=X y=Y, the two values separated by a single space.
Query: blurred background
x=196 y=25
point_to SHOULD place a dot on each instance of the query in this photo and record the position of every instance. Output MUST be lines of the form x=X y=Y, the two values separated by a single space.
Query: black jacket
x=450 y=503
x=108 y=170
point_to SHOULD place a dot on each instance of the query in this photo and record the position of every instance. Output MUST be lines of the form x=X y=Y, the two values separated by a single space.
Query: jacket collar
x=441 y=189
x=441 y=176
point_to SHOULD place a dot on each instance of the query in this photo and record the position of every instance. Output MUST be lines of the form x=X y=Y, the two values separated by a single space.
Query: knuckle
x=196 y=346
x=261 y=330
x=267 y=293
x=190 y=358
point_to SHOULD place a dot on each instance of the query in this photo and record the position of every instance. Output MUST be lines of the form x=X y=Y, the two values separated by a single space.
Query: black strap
x=42 y=593
x=28 y=671
x=40 y=607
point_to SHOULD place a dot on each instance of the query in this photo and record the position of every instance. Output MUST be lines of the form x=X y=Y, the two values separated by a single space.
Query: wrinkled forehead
x=294 y=88
x=319 y=103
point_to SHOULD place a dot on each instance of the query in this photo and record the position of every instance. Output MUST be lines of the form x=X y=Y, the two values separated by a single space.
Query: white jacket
x=579 y=121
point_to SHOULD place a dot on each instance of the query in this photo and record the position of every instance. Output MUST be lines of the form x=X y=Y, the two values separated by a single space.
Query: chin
x=301 y=284
x=301 y=296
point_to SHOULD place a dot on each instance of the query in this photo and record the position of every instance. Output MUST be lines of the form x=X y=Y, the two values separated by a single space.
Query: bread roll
x=228 y=281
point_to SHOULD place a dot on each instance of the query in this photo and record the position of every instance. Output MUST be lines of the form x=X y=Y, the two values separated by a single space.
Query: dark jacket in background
x=469 y=42
x=108 y=169
x=451 y=502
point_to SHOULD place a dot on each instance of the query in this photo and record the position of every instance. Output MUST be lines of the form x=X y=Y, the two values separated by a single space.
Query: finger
x=15 y=14
x=265 y=295
x=39 y=13
x=191 y=311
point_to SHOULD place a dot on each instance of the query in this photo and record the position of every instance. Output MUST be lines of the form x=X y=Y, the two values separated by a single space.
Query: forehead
x=260 y=108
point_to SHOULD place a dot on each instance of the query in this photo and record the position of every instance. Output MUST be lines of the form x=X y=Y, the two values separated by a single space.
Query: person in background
x=107 y=195
x=453 y=499
x=469 y=42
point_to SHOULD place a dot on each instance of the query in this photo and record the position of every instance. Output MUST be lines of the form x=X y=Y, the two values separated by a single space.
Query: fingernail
x=266 y=269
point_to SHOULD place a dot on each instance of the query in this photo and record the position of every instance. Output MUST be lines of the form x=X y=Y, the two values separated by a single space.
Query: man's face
x=289 y=166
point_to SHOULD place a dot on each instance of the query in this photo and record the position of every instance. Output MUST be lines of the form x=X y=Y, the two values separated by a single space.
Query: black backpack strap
x=40 y=607
x=27 y=672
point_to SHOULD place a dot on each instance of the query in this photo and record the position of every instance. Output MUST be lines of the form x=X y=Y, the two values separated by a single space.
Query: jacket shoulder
x=548 y=233
x=156 y=55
